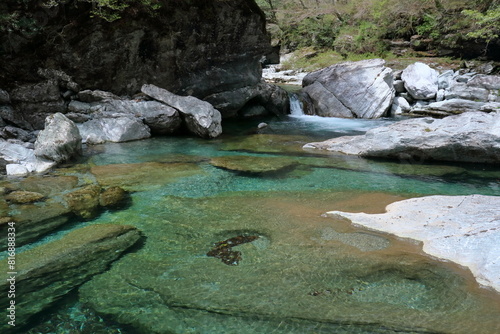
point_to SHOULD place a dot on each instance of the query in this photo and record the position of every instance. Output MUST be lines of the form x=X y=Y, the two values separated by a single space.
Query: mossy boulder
x=84 y=202
x=22 y=197
x=112 y=197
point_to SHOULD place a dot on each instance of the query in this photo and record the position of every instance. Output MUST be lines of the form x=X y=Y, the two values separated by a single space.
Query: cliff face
x=190 y=47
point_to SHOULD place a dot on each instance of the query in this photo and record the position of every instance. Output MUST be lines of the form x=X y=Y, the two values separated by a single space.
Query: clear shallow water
x=305 y=273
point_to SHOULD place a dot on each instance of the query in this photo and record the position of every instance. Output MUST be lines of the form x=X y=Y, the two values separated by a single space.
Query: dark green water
x=304 y=273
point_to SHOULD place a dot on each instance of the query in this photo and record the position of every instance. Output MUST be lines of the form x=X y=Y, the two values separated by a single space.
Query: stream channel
x=236 y=241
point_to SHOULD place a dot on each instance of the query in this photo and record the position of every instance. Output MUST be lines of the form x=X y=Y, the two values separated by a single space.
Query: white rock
x=120 y=129
x=60 y=140
x=362 y=89
x=462 y=229
x=421 y=81
x=468 y=137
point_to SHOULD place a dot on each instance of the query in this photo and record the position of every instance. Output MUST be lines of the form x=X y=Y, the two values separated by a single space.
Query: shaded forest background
x=455 y=28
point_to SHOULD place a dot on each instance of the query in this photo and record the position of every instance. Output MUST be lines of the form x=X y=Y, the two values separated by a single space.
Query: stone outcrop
x=469 y=137
x=60 y=140
x=200 y=117
x=361 y=89
x=462 y=229
x=190 y=47
x=46 y=273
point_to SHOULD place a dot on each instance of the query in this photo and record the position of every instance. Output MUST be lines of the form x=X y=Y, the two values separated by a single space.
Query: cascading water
x=295 y=105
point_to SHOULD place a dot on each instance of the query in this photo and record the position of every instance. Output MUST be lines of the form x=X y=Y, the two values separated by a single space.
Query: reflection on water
x=297 y=272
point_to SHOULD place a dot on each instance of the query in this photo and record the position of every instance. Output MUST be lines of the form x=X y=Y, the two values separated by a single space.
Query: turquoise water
x=304 y=273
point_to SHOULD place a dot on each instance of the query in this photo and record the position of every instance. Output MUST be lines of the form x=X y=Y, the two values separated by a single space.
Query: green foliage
x=429 y=27
x=486 y=26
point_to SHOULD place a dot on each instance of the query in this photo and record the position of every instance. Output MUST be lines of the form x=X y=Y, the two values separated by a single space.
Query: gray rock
x=11 y=132
x=361 y=89
x=253 y=111
x=400 y=106
x=272 y=97
x=451 y=107
x=96 y=96
x=60 y=140
x=445 y=79
x=160 y=118
x=63 y=79
x=469 y=137
x=118 y=129
x=36 y=113
x=459 y=90
x=200 y=116
x=421 y=81
x=399 y=86
x=4 y=97
x=80 y=107
x=462 y=229
x=48 y=272
x=41 y=92
x=440 y=95
x=491 y=82
x=9 y=114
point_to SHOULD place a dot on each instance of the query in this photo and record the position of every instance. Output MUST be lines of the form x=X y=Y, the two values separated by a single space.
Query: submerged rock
x=46 y=273
x=200 y=117
x=361 y=89
x=84 y=202
x=252 y=164
x=60 y=140
x=469 y=137
x=462 y=229
x=23 y=197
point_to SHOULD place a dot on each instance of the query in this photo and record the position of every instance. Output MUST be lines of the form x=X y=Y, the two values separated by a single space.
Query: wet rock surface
x=469 y=137
x=254 y=165
x=462 y=229
x=48 y=272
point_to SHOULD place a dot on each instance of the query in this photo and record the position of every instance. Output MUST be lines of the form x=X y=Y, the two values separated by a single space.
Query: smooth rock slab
x=469 y=137
x=248 y=164
x=46 y=273
x=362 y=89
x=462 y=229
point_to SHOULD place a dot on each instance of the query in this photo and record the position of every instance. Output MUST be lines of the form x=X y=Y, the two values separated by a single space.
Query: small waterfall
x=295 y=105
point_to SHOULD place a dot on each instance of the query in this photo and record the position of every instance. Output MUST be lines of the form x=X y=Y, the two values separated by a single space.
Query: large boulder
x=200 y=117
x=421 y=81
x=462 y=229
x=46 y=273
x=272 y=98
x=468 y=137
x=60 y=140
x=361 y=89
x=119 y=129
